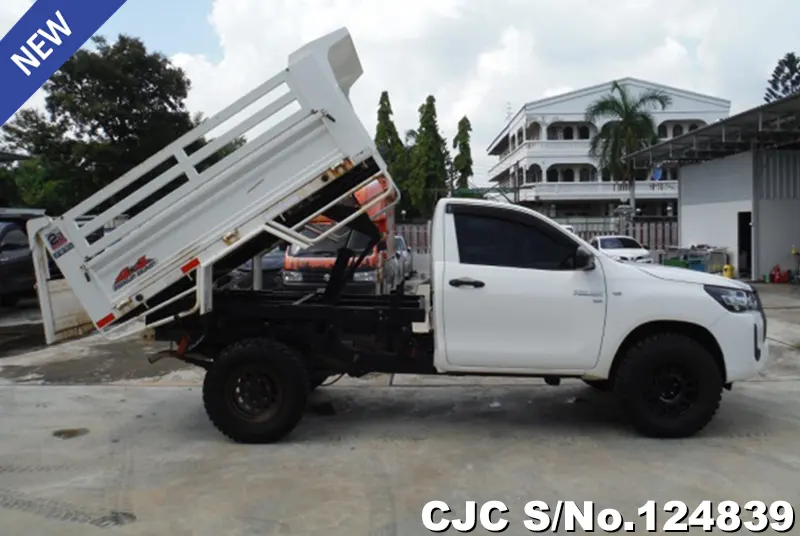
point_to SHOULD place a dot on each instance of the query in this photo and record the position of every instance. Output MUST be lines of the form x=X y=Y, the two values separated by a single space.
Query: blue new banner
x=44 y=38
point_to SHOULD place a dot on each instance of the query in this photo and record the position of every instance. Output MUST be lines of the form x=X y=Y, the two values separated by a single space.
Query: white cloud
x=477 y=56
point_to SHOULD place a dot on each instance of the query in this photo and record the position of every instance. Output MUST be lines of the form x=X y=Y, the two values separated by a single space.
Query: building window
x=692 y=127
x=585 y=175
x=677 y=130
x=583 y=133
x=662 y=132
x=552 y=175
x=568 y=176
x=569 y=133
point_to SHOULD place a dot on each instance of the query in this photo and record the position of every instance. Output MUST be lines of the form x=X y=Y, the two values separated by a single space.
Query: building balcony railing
x=541 y=148
x=587 y=191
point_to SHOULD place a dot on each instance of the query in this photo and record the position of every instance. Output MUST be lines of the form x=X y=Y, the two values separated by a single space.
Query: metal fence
x=658 y=233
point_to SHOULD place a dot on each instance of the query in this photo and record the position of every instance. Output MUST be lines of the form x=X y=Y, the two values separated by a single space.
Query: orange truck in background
x=379 y=273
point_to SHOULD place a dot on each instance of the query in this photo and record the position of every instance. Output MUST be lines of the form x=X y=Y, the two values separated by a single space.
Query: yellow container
x=727 y=271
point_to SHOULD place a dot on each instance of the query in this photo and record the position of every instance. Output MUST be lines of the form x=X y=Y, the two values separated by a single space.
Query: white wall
x=777 y=213
x=710 y=197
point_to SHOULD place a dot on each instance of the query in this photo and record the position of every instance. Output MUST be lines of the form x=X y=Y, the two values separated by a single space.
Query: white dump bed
x=183 y=216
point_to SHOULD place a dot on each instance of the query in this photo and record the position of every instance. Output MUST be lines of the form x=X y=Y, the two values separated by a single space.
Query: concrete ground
x=94 y=439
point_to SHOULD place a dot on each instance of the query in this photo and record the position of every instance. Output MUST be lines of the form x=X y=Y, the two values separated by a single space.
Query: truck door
x=511 y=296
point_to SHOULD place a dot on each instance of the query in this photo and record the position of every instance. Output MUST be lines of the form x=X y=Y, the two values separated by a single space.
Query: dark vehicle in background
x=17 y=278
x=271 y=265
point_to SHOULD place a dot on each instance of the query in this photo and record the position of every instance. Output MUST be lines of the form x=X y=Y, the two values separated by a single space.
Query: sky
x=477 y=57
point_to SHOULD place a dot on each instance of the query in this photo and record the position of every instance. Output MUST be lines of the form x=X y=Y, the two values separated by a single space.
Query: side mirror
x=584 y=260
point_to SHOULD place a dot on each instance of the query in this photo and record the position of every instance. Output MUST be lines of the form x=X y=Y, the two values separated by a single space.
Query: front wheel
x=256 y=391
x=669 y=386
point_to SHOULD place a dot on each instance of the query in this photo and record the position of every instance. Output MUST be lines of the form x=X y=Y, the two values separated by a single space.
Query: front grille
x=315 y=276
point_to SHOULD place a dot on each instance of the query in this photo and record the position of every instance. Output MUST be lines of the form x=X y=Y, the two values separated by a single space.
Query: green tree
x=428 y=173
x=106 y=111
x=785 y=79
x=387 y=139
x=462 y=163
x=394 y=152
x=627 y=126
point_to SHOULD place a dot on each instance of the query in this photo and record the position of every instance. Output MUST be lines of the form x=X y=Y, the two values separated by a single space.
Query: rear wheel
x=256 y=391
x=669 y=386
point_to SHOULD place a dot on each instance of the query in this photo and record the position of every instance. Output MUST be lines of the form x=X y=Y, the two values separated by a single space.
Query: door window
x=493 y=240
x=14 y=239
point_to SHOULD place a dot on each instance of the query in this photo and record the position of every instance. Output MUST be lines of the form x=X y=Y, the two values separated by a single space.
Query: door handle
x=467 y=282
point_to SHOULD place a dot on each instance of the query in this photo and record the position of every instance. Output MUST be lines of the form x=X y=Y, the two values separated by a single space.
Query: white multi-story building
x=543 y=153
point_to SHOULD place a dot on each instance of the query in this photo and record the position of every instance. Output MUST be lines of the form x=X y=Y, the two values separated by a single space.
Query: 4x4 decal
x=129 y=273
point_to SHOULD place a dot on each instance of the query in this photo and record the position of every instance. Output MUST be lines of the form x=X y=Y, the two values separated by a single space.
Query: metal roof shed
x=739 y=184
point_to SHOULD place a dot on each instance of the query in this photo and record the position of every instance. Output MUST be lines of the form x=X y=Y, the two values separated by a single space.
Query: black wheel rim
x=672 y=391
x=254 y=393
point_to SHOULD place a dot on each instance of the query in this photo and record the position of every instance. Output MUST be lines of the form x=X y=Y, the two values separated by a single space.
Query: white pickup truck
x=512 y=292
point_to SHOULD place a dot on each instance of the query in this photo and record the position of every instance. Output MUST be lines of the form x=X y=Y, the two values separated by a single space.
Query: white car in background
x=404 y=258
x=622 y=248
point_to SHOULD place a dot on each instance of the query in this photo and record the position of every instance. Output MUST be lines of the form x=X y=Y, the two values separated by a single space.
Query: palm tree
x=627 y=127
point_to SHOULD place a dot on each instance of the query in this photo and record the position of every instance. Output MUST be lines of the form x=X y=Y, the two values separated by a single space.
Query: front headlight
x=290 y=276
x=364 y=277
x=733 y=299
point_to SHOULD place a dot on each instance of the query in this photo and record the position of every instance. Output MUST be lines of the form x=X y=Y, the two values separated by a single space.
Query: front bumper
x=353 y=287
x=742 y=338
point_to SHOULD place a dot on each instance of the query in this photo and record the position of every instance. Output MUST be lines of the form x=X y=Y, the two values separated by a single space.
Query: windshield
x=399 y=243
x=329 y=246
x=619 y=242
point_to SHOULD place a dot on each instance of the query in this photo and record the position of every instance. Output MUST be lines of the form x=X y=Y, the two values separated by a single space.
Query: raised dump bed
x=306 y=151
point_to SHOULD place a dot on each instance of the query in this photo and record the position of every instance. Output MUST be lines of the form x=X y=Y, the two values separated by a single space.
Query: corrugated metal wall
x=776 y=217
x=777 y=175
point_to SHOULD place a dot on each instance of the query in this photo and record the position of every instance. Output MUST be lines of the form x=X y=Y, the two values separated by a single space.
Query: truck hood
x=684 y=275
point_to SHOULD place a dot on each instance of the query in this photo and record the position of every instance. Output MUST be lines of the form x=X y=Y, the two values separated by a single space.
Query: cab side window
x=490 y=239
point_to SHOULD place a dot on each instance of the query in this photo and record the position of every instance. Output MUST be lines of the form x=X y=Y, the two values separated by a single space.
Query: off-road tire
x=286 y=368
x=638 y=370
x=601 y=385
